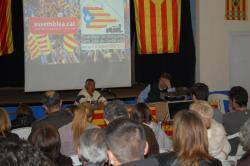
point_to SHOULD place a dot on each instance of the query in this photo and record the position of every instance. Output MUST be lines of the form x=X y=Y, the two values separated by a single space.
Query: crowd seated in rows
x=198 y=137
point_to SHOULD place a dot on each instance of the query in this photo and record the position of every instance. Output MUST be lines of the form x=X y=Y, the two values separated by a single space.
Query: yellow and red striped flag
x=6 y=41
x=158 y=25
x=38 y=44
x=69 y=43
x=236 y=9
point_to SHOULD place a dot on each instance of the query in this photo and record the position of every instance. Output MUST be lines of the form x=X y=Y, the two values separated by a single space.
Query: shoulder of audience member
x=144 y=162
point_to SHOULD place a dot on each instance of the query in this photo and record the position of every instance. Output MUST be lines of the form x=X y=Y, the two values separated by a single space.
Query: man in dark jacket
x=54 y=115
x=154 y=91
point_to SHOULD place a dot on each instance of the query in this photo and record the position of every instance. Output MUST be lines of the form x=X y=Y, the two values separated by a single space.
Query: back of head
x=239 y=95
x=51 y=100
x=166 y=76
x=204 y=109
x=24 y=109
x=83 y=115
x=5 y=124
x=47 y=139
x=190 y=140
x=115 y=109
x=22 y=154
x=141 y=113
x=126 y=141
x=200 y=91
x=93 y=148
x=245 y=135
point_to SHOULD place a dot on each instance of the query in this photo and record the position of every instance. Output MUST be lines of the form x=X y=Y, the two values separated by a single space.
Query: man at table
x=90 y=95
x=152 y=93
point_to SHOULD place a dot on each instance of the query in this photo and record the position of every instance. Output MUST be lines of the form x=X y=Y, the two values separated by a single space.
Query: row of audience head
x=124 y=139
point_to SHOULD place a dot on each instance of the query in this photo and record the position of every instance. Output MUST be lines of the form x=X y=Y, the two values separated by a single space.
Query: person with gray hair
x=93 y=150
x=114 y=110
x=245 y=142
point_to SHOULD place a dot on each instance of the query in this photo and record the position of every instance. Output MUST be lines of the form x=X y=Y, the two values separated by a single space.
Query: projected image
x=76 y=31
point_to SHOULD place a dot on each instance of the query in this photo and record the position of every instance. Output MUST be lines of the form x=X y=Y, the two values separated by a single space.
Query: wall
x=213 y=42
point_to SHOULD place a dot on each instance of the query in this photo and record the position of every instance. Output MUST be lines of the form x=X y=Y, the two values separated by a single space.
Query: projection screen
x=68 y=41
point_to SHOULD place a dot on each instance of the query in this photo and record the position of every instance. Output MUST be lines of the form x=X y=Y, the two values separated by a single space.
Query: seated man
x=200 y=91
x=117 y=109
x=127 y=144
x=90 y=95
x=233 y=121
x=54 y=115
x=93 y=150
x=152 y=93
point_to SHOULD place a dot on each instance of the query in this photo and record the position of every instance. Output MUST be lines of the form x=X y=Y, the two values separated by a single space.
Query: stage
x=11 y=96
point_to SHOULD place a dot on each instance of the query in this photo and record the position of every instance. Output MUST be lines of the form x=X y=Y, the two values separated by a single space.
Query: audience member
x=218 y=145
x=190 y=143
x=54 y=115
x=245 y=142
x=24 y=117
x=117 y=109
x=200 y=91
x=90 y=95
x=141 y=114
x=152 y=93
x=22 y=153
x=5 y=127
x=93 y=150
x=47 y=139
x=127 y=143
x=70 y=133
x=238 y=98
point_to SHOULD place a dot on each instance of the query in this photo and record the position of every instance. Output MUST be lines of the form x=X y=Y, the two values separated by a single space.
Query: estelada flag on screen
x=6 y=41
x=236 y=9
x=158 y=25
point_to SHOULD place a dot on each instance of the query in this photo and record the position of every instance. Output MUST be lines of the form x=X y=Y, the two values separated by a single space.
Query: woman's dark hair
x=141 y=113
x=47 y=139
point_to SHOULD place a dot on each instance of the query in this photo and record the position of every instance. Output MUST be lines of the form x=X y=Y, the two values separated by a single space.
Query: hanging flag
x=69 y=43
x=236 y=9
x=158 y=25
x=6 y=41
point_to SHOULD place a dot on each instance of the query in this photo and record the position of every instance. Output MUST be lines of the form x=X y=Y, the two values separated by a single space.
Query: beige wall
x=213 y=42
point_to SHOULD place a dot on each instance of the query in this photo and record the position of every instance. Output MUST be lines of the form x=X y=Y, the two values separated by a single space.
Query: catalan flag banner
x=236 y=10
x=6 y=41
x=97 y=17
x=158 y=25
x=38 y=45
x=69 y=43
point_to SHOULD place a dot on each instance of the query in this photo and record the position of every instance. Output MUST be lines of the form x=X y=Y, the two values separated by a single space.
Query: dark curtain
x=181 y=66
x=147 y=68
x=12 y=66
